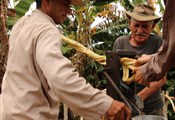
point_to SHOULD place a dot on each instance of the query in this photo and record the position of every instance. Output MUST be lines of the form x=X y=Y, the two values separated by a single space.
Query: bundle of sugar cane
x=127 y=63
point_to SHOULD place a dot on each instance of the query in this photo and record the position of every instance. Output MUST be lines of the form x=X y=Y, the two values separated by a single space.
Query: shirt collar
x=41 y=14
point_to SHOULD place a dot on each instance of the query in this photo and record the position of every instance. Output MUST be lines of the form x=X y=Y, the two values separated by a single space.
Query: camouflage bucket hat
x=78 y=2
x=143 y=12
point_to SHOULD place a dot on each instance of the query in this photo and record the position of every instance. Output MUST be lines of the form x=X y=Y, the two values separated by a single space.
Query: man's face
x=140 y=30
x=58 y=10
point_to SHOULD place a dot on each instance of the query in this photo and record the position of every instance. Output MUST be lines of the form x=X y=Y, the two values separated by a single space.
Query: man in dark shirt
x=141 y=24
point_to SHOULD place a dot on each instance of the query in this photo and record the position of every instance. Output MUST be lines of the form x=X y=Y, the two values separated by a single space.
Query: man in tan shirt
x=38 y=76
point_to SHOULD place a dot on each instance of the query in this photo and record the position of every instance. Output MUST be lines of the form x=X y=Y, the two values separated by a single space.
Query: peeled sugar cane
x=79 y=47
x=127 y=63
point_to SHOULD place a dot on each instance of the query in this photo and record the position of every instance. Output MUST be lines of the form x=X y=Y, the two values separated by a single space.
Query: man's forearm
x=154 y=86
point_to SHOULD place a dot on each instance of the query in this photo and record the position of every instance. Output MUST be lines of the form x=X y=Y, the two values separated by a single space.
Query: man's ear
x=44 y=6
x=154 y=24
x=45 y=3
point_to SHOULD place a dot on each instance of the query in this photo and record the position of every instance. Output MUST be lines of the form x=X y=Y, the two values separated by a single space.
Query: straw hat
x=143 y=12
x=78 y=2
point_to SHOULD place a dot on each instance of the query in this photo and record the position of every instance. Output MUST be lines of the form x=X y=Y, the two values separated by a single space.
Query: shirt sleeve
x=118 y=44
x=73 y=90
x=164 y=60
x=160 y=62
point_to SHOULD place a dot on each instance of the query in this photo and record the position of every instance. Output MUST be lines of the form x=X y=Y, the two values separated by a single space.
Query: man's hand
x=139 y=77
x=138 y=74
x=142 y=60
x=118 y=111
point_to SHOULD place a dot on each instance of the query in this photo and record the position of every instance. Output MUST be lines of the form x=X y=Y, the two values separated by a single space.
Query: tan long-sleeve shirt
x=38 y=76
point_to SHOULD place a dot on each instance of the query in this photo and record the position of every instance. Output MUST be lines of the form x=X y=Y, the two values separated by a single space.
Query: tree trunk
x=3 y=39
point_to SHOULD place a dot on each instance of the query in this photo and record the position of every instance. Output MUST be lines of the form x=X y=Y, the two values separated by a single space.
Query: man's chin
x=141 y=42
x=59 y=22
x=141 y=39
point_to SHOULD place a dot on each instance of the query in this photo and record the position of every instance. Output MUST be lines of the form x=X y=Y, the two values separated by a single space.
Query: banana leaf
x=21 y=8
x=102 y=2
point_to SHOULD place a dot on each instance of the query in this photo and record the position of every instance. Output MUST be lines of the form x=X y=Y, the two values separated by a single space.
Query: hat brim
x=78 y=2
x=142 y=18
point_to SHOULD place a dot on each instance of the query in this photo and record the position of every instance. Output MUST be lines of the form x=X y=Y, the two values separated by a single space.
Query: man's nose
x=139 y=30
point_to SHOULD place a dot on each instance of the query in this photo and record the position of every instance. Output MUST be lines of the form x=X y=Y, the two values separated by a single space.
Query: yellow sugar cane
x=125 y=73
x=79 y=47
x=127 y=63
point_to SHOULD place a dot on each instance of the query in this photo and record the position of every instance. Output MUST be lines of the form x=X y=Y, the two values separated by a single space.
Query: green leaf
x=21 y=8
x=102 y=2
x=135 y=2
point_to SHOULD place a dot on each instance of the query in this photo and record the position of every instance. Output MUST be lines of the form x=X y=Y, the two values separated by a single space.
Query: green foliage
x=67 y=50
x=109 y=34
x=170 y=85
x=160 y=6
x=93 y=73
x=21 y=8
x=127 y=4
x=102 y=2
x=135 y=2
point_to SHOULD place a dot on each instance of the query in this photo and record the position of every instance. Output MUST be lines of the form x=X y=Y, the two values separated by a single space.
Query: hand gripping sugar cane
x=127 y=63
